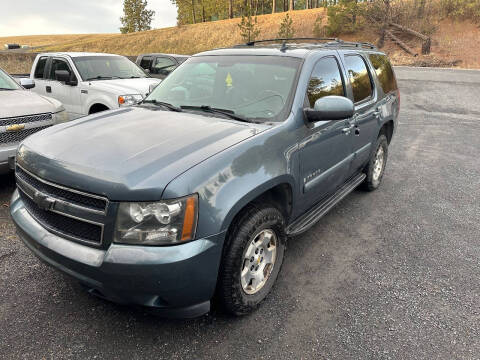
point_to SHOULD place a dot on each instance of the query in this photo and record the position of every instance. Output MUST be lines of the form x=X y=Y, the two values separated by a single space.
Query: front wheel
x=376 y=165
x=252 y=259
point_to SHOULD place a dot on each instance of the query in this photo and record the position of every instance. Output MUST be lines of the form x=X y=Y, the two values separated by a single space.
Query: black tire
x=371 y=182
x=253 y=220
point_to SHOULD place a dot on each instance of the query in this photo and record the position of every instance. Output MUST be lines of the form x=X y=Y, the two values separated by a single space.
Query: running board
x=309 y=219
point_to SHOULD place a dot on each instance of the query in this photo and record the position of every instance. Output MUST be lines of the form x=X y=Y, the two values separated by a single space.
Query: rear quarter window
x=384 y=72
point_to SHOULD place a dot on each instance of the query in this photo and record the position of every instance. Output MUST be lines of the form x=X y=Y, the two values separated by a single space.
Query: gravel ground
x=386 y=275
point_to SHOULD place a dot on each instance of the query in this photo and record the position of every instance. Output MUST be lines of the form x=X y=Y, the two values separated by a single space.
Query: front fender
x=96 y=96
x=231 y=179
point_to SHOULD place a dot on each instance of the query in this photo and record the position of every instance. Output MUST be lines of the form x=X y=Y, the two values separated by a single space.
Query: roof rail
x=328 y=42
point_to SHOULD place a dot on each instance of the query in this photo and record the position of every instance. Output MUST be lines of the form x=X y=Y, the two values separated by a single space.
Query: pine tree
x=286 y=28
x=136 y=16
x=248 y=27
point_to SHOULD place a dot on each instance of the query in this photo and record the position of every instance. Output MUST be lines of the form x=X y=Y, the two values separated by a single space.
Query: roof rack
x=329 y=42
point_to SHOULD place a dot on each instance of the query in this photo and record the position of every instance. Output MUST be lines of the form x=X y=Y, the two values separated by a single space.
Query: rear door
x=68 y=95
x=363 y=92
x=40 y=75
x=325 y=151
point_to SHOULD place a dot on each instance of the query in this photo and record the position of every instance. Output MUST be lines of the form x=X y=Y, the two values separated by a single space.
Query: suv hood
x=128 y=154
x=125 y=86
x=23 y=102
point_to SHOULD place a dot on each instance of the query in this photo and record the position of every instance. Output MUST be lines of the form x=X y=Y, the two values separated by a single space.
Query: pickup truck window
x=326 y=80
x=107 y=67
x=359 y=77
x=384 y=72
x=146 y=62
x=163 y=66
x=255 y=87
x=7 y=83
x=39 y=70
x=58 y=64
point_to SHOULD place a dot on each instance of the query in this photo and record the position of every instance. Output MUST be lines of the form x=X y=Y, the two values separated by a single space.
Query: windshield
x=107 y=67
x=7 y=83
x=254 y=87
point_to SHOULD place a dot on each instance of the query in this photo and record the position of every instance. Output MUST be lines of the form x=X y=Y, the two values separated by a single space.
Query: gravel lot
x=392 y=274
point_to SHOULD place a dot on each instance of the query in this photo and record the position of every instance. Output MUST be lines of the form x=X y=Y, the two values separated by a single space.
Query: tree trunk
x=274 y=5
x=193 y=12
x=290 y=5
x=230 y=9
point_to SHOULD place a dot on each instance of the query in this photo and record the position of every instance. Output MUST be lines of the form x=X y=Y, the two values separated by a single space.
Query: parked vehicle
x=88 y=83
x=22 y=113
x=160 y=65
x=197 y=188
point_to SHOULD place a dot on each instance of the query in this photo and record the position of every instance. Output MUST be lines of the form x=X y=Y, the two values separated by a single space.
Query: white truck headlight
x=157 y=223
x=129 y=100
x=60 y=116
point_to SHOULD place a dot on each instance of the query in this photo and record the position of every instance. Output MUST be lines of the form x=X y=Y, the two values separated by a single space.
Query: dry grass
x=452 y=41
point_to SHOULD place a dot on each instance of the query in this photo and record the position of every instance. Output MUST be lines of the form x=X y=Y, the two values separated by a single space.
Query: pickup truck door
x=325 y=150
x=68 y=95
x=363 y=92
x=39 y=74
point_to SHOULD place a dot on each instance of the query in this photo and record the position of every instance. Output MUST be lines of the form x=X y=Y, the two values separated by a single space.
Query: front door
x=40 y=75
x=326 y=150
x=68 y=95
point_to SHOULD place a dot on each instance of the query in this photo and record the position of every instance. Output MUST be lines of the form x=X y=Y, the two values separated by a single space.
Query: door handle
x=376 y=113
x=49 y=89
x=348 y=130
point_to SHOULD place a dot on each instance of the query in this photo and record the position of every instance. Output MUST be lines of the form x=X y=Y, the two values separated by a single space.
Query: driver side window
x=325 y=80
x=59 y=64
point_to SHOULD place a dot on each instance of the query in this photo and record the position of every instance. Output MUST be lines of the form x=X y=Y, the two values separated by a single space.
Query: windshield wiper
x=101 y=77
x=164 y=104
x=209 y=109
x=7 y=89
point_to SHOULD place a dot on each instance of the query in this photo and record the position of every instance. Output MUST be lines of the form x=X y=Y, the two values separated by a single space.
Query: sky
x=42 y=17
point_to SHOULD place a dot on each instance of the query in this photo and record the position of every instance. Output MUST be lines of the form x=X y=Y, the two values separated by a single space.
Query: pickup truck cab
x=160 y=65
x=196 y=190
x=23 y=113
x=88 y=83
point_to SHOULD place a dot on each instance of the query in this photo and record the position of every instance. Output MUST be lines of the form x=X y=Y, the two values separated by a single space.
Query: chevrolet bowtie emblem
x=43 y=201
x=16 y=127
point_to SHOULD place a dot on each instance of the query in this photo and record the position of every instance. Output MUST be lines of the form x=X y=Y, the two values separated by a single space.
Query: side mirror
x=330 y=108
x=147 y=71
x=66 y=77
x=27 y=83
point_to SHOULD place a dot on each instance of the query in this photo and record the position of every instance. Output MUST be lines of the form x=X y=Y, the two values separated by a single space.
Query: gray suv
x=195 y=191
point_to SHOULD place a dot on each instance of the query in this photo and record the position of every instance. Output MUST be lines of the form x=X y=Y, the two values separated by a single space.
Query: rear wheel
x=253 y=258
x=376 y=165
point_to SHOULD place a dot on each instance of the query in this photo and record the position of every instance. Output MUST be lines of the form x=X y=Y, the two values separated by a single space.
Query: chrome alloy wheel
x=258 y=261
x=378 y=165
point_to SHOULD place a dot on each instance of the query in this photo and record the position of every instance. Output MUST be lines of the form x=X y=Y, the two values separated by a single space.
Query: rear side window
x=146 y=62
x=325 y=80
x=39 y=70
x=384 y=72
x=359 y=77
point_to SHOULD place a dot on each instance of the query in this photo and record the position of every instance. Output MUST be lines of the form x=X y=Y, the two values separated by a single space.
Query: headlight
x=60 y=116
x=157 y=223
x=129 y=100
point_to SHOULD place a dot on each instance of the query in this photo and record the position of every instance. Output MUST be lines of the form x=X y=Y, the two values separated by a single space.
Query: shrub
x=286 y=28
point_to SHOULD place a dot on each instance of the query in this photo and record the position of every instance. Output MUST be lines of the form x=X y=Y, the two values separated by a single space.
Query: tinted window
x=107 y=67
x=384 y=72
x=58 y=64
x=146 y=62
x=40 y=67
x=359 y=77
x=326 y=80
x=163 y=65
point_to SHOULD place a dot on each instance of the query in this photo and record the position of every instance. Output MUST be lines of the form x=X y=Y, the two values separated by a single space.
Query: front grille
x=25 y=119
x=66 y=212
x=88 y=201
x=17 y=136
x=62 y=224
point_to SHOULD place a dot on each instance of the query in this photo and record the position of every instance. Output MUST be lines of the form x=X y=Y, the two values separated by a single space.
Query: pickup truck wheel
x=252 y=259
x=376 y=165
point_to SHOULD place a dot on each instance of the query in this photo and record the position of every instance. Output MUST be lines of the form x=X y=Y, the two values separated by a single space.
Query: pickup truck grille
x=25 y=119
x=66 y=212
x=17 y=136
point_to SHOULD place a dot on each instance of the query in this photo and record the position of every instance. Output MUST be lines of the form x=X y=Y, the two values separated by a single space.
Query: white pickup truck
x=86 y=83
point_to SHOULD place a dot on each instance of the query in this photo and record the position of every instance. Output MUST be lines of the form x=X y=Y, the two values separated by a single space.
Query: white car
x=23 y=113
x=87 y=83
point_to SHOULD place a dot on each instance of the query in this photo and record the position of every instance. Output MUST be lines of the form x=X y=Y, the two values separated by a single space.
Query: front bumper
x=177 y=280
x=7 y=156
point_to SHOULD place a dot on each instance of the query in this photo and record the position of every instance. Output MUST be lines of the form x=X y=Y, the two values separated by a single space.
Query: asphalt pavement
x=392 y=274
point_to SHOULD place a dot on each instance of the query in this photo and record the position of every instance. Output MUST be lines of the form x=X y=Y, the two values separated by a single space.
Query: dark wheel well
x=95 y=108
x=387 y=130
